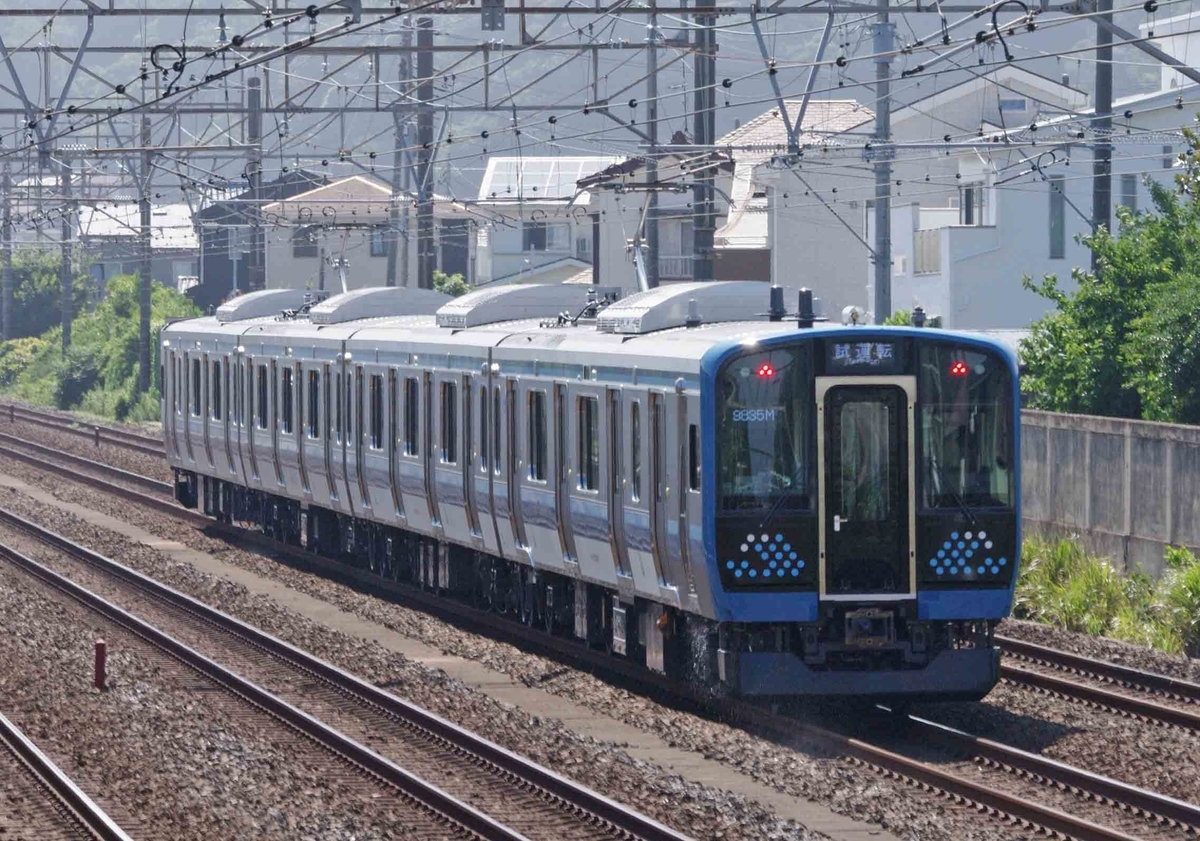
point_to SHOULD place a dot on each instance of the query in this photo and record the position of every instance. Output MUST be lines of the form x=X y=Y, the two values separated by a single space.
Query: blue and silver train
x=689 y=477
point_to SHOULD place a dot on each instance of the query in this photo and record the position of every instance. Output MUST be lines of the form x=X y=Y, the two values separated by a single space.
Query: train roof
x=676 y=323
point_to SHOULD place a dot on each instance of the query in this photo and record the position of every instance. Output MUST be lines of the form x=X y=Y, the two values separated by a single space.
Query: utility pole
x=652 y=165
x=258 y=249
x=399 y=171
x=426 y=258
x=66 y=275
x=6 y=292
x=704 y=131
x=145 y=243
x=1102 y=152
x=885 y=32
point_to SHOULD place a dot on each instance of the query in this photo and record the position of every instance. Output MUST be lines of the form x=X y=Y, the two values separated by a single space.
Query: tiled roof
x=766 y=134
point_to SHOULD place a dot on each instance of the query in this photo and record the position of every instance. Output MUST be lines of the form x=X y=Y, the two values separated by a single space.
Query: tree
x=37 y=291
x=452 y=285
x=1125 y=342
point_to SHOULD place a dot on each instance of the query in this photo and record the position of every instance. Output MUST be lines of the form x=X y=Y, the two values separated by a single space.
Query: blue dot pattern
x=969 y=555
x=769 y=557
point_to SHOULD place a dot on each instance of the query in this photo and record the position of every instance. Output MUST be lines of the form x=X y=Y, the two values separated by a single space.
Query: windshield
x=966 y=403
x=764 y=431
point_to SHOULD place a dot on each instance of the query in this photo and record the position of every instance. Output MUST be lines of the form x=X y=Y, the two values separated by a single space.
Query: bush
x=1064 y=586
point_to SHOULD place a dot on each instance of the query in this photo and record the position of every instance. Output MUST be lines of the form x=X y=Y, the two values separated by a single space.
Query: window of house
x=197 y=384
x=693 y=458
x=588 y=412
x=216 y=391
x=379 y=242
x=262 y=397
x=412 y=416
x=376 y=397
x=449 y=423
x=538 y=444
x=314 y=404
x=286 y=401
x=483 y=429
x=543 y=236
x=304 y=244
x=635 y=450
x=1129 y=192
x=1012 y=105
x=1058 y=222
x=971 y=201
x=1168 y=161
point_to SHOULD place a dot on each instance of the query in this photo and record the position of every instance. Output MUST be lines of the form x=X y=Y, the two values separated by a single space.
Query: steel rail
x=428 y=796
x=1177 y=812
x=97 y=433
x=624 y=821
x=145 y=482
x=1103 y=670
x=79 y=806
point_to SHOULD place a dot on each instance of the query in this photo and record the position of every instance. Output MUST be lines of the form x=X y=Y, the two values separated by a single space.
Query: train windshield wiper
x=784 y=495
x=944 y=489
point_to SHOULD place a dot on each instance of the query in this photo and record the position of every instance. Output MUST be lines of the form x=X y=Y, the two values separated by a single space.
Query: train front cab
x=862 y=512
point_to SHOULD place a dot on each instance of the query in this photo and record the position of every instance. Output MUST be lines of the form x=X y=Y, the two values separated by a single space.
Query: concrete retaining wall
x=1127 y=488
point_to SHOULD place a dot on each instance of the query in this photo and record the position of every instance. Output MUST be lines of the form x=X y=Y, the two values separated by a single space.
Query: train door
x=638 y=510
x=191 y=405
x=588 y=512
x=328 y=403
x=411 y=460
x=618 y=485
x=171 y=401
x=487 y=451
x=275 y=417
x=431 y=457
x=660 y=489
x=500 y=481
x=562 y=472
x=867 y=487
x=448 y=460
x=302 y=409
x=393 y=442
x=228 y=377
x=468 y=457
x=206 y=397
x=692 y=516
x=360 y=423
x=538 y=477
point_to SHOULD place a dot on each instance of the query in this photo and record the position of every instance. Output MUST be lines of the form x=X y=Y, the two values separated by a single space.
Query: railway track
x=1155 y=812
x=97 y=433
x=53 y=807
x=485 y=788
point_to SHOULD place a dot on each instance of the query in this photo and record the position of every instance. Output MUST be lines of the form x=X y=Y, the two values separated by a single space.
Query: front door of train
x=866 y=454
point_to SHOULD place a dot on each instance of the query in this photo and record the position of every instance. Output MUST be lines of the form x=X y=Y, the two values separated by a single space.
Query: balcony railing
x=675 y=267
x=928 y=247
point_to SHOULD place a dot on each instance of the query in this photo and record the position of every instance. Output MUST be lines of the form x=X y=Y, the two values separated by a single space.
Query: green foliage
x=899 y=318
x=453 y=285
x=1125 y=343
x=98 y=375
x=1063 y=585
x=37 y=291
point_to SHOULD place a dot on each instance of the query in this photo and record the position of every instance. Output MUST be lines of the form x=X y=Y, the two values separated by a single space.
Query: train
x=691 y=477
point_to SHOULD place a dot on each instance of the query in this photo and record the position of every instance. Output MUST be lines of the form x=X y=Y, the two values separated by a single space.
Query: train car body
x=782 y=507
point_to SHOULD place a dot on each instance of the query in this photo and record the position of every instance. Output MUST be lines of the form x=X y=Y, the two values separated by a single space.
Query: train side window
x=337 y=408
x=496 y=423
x=262 y=397
x=178 y=391
x=587 y=412
x=314 y=404
x=412 y=415
x=197 y=381
x=635 y=450
x=449 y=423
x=286 y=401
x=376 y=412
x=693 y=458
x=538 y=444
x=216 y=391
x=350 y=409
x=483 y=430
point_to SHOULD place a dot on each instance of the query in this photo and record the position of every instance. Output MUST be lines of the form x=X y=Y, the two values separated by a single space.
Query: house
x=543 y=228
x=225 y=231
x=346 y=225
x=110 y=233
x=944 y=205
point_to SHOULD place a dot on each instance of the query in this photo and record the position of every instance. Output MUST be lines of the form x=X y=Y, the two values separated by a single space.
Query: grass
x=1063 y=585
